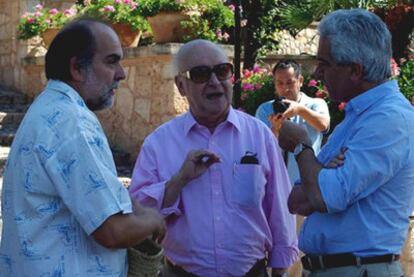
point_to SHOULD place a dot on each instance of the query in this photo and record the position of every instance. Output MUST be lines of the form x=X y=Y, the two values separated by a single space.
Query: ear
x=180 y=85
x=357 y=72
x=301 y=80
x=75 y=70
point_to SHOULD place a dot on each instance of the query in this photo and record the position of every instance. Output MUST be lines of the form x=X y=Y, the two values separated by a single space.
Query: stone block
x=142 y=108
x=124 y=102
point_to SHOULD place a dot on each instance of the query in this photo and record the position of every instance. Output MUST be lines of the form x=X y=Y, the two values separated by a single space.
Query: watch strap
x=304 y=147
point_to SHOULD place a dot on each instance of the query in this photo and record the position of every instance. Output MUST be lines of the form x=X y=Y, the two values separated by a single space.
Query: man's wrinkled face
x=337 y=78
x=213 y=97
x=102 y=77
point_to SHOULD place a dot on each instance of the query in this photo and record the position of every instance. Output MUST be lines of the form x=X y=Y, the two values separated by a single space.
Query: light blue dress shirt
x=60 y=184
x=315 y=104
x=370 y=197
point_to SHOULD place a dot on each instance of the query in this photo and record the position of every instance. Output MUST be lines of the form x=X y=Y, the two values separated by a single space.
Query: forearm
x=172 y=190
x=309 y=168
x=124 y=230
x=318 y=121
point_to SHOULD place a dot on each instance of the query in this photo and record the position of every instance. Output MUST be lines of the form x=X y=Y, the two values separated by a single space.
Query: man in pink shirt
x=226 y=215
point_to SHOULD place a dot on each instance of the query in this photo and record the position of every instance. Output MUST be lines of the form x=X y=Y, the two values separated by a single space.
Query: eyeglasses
x=201 y=74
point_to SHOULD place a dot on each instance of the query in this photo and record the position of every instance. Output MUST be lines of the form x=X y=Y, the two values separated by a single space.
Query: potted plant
x=122 y=14
x=44 y=22
x=183 y=20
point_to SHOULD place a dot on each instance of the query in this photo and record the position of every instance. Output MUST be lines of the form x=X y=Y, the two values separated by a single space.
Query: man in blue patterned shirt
x=65 y=212
x=358 y=212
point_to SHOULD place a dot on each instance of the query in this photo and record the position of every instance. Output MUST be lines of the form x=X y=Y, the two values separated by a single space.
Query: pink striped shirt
x=229 y=217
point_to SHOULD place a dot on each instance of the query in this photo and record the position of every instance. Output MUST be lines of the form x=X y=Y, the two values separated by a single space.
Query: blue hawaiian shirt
x=60 y=185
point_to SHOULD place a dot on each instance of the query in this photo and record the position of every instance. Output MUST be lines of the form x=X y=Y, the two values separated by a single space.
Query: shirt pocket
x=248 y=185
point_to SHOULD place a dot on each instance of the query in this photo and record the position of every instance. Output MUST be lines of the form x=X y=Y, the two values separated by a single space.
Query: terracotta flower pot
x=166 y=26
x=48 y=35
x=127 y=36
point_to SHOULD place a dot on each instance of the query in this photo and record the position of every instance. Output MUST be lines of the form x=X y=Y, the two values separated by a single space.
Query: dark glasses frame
x=202 y=73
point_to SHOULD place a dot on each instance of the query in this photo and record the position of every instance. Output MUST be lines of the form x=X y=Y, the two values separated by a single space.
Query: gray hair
x=361 y=37
x=188 y=52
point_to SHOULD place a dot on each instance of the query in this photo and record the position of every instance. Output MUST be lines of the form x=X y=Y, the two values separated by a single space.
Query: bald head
x=190 y=53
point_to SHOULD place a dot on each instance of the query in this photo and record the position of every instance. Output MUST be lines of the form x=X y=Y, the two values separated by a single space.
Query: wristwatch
x=300 y=148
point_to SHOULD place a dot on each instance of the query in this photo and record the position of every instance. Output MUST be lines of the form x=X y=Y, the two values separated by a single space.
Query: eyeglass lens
x=202 y=73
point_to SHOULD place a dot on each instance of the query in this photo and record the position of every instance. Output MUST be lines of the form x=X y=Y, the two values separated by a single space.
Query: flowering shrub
x=315 y=88
x=116 y=11
x=208 y=18
x=257 y=87
x=406 y=79
x=35 y=23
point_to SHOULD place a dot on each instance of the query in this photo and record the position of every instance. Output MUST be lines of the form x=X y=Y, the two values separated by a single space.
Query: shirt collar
x=190 y=122
x=67 y=90
x=363 y=101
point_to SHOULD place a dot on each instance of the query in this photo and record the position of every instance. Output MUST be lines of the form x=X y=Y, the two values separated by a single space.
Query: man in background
x=310 y=113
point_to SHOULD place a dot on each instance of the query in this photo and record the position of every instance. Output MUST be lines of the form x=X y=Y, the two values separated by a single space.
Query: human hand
x=153 y=218
x=338 y=160
x=298 y=202
x=276 y=122
x=195 y=164
x=291 y=134
x=293 y=110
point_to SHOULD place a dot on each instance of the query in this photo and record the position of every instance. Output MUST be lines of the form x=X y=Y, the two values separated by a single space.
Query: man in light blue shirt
x=65 y=212
x=310 y=113
x=358 y=212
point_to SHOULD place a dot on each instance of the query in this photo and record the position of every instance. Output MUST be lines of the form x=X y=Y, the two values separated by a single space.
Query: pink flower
x=312 y=83
x=341 y=106
x=395 y=70
x=117 y=1
x=320 y=94
x=39 y=7
x=127 y=1
x=246 y=73
x=68 y=12
x=219 y=34
x=30 y=20
x=53 y=11
x=256 y=69
x=109 y=8
x=243 y=22
x=37 y=14
x=232 y=7
x=248 y=87
x=226 y=36
x=258 y=86
x=133 y=5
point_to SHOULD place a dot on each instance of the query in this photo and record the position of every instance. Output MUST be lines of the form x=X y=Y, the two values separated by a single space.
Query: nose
x=120 y=73
x=213 y=79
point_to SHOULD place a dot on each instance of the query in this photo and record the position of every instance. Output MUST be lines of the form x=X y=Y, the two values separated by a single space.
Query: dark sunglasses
x=201 y=74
